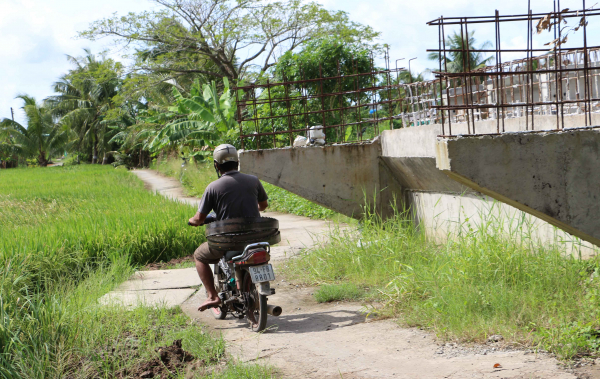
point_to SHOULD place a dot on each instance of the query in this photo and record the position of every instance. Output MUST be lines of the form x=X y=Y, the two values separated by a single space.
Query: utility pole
x=12 y=114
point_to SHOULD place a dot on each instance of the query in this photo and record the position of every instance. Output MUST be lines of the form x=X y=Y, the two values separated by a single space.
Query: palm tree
x=84 y=97
x=458 y=60
x=407 y=77
x=42 y=138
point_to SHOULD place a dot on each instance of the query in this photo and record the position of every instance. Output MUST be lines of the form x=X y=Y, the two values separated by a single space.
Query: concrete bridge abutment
x=454 y=185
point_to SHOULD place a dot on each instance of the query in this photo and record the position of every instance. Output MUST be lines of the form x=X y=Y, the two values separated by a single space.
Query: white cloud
x=36 y=36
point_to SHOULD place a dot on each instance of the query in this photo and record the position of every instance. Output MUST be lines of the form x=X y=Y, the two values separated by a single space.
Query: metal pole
x=410 y=72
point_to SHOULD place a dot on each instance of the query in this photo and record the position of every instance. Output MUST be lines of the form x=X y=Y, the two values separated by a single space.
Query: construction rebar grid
x=353 y=105
x=551 y=83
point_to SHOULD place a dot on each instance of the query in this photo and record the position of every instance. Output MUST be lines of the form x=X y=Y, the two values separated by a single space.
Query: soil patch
x=171 y=263
x=171 y=361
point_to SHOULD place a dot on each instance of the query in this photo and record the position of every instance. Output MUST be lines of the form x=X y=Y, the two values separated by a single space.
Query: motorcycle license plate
x=262 y=273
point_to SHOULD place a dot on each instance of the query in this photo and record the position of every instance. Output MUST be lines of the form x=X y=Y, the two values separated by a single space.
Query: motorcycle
x=243 y=277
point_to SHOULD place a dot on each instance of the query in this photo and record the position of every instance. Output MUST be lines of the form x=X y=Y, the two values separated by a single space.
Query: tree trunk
x=95 y=150
x=42 y=161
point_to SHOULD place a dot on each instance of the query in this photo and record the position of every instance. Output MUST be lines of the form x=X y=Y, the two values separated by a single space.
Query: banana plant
x=204 y=119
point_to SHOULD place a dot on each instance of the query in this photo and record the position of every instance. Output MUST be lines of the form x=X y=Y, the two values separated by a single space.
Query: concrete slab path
x=311 y=340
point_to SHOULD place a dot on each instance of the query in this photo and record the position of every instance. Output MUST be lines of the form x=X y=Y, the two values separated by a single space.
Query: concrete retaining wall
x=340 y=177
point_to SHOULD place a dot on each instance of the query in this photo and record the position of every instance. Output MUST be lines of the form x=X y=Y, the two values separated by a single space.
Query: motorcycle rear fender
x=264 y=288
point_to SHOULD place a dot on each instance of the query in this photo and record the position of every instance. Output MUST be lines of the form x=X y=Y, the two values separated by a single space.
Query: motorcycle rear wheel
x=257 y=315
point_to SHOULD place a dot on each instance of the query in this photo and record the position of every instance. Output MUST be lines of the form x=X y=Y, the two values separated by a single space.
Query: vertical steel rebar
x=239 y=115
x=304 y=91
x=498 y=78
x=271 y=112
x=286 y=93
x=588 y=103
x=499 y=45
x=469 y=78
x=447 y=84
x=356 y=91
x=559 y=88
x=340 y=102
x=389 y=90
x=440 y=38
x=463 y=81
x=256 y=125
x=322 y=95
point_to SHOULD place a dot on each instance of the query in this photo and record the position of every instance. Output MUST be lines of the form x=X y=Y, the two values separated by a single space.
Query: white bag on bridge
x=300 y=141
x=316 y=133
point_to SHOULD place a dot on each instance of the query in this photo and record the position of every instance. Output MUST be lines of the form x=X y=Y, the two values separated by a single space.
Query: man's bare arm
x=198 y=219
x=262 y=205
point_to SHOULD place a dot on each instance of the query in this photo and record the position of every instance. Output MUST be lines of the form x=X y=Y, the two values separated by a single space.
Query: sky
x=36 y=35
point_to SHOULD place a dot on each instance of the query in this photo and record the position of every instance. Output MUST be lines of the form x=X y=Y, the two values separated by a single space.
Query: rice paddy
x=68 y=236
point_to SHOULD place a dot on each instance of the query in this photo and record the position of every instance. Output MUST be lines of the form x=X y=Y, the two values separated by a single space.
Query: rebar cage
x=553 y=81
x=353 y=103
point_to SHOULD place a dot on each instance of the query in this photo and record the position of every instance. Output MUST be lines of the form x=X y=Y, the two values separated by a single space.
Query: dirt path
x=311 y=340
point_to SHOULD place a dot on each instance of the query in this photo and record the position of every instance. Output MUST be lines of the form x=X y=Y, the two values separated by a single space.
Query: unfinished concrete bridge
x=515 y=144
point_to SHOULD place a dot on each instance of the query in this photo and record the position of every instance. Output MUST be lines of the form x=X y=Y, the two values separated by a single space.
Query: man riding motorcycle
x=233 y=195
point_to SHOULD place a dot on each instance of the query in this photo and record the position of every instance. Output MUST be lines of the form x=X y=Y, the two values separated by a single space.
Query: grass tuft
x=336 y=292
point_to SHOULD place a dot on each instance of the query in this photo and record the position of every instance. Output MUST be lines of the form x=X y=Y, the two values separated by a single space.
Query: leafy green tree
x=320 y=58
x=209 y=37
x=460 y=61
x=7 y=148
x=204 y=119
x=84 y=97
x=42 y=138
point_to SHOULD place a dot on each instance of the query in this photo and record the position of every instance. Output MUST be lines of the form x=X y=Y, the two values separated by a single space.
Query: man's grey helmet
x=225 y=153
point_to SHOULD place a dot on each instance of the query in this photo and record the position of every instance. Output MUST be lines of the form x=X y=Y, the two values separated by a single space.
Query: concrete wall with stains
x=340 y=177
x=551 y=175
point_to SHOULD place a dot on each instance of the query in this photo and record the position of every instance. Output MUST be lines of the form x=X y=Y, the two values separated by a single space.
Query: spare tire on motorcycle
x=236 y=233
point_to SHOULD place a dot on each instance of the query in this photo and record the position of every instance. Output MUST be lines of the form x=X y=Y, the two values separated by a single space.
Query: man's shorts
x=207 y=255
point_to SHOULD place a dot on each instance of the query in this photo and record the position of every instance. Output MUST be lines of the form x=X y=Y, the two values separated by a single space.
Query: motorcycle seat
x=230 y=254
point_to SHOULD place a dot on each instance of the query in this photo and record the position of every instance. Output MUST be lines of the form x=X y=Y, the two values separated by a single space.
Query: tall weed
x=481 y=282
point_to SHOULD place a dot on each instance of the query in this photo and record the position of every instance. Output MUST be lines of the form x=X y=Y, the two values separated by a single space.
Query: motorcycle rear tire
x=257 y=316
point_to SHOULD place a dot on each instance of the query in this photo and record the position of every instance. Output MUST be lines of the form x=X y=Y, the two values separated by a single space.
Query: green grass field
x=478 y=284
x=68 y=236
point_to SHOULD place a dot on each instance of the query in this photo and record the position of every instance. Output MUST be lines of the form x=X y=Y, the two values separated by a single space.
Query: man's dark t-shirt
x=233 y=195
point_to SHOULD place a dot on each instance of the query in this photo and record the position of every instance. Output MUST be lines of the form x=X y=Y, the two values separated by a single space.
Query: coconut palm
x=84 y=97
x=407 y=77
x=460 y=61
x=42 y=138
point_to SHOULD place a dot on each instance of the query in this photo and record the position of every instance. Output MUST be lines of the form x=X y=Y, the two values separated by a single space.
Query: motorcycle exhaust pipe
x=274 y=310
